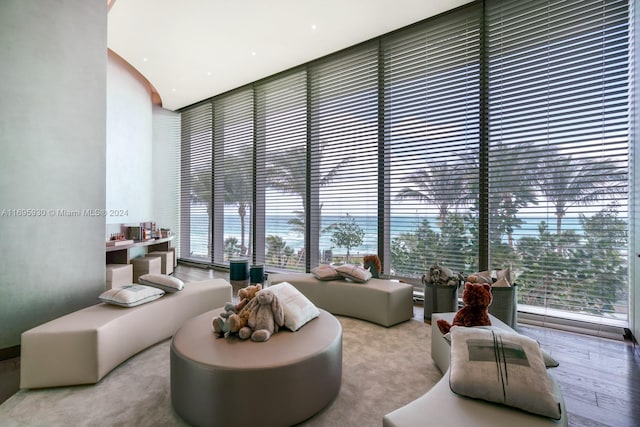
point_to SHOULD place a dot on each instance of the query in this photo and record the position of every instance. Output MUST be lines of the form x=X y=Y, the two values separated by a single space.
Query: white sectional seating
x=84 y=346
x=379 y=301
x=442 y=407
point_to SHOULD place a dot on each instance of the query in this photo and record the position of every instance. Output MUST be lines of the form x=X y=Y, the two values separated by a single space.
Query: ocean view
x=277 y=225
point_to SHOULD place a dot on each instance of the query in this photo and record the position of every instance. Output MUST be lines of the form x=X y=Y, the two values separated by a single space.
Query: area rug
x=383 y=369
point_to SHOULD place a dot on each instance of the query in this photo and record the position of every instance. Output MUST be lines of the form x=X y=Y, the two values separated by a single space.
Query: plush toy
x=234 y=317
x=266 y=316
x=480 y=277
x=476 y=298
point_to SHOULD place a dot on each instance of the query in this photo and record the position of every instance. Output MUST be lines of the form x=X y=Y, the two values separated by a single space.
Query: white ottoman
x=146 y=265
x=166 y=259
x=119 y=275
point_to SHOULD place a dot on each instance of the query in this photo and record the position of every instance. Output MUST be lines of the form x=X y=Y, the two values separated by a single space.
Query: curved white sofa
x=379 y=301
x=442 y=407
x=84 y=346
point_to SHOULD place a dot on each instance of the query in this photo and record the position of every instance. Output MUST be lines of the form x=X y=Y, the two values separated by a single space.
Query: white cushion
x=354 y=272
x=298 y=310
x=549 y=360
x=162 y=281
x=131 y=295
x=501 y=367
x=325 y=272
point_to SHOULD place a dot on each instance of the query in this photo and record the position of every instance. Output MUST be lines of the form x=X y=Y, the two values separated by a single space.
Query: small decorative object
x=440 y=290
x=372 y=262
x=235 y=316
x=256 y=274
x=476 y=298
x=266 y=316
x=441 y=276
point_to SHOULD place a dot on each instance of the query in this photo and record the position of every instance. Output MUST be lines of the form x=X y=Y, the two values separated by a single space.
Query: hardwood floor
x=599 y=377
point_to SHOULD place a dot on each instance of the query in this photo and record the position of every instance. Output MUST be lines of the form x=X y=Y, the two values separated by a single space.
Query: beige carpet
x=383 y=369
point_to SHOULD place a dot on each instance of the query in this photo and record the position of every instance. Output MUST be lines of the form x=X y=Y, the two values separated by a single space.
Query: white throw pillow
x=502 y=367
x=549 y=360
x=325 y=272
x=298 y=310
x=162 y=281
x=354 y=272
x=131 y=295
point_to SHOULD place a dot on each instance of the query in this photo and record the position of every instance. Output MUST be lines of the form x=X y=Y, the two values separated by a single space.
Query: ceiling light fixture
x=314 y=27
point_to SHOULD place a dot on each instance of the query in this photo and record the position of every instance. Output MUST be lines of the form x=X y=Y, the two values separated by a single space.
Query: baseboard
x=9 y=352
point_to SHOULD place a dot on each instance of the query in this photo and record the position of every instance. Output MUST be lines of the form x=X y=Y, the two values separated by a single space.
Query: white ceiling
x=193 y=49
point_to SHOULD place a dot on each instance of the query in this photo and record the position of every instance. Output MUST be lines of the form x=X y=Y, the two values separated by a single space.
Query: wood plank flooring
x=599 y=377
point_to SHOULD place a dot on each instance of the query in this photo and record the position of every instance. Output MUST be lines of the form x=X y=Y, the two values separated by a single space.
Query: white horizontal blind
x=431 y=121
x=344 y=147
x=558 y=126
x=195 y=183
x=233 y=175
x=281 y=170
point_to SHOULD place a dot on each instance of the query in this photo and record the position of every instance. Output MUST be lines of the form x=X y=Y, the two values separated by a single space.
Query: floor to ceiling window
x=232 y=175
x=344 y=147
x=432 y=140
x=492 y=136
x=196 y=184
x=281 y=171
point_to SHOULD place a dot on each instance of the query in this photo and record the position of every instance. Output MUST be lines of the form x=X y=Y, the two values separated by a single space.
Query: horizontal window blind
x=558 y=151
x=281 y=170
x=344 y=147
x=496 y=133
x=233 y=175
x=195 y=183
x=431 y=121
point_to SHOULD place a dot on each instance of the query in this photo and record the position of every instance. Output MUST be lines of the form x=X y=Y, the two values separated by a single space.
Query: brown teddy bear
x=266 y=316
x=476 y=298
x=234 y=317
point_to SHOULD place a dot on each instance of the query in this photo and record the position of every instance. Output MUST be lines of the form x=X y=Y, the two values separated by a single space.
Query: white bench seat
x=441 y=407
x=84 y=346
x=379 y=301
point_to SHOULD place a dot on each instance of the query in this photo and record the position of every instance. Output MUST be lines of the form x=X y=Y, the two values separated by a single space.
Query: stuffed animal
x=476 y=298
x=234 y=317
x=480 y=277
x=266 y=316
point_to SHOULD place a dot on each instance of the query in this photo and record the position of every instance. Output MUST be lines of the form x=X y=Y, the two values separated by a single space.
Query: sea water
x=279 y=226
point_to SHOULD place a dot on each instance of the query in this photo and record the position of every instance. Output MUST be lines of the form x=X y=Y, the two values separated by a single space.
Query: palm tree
x=566 y=182
x=441 y=185
x=288 y=173
x=238 y=191
x=201 y=194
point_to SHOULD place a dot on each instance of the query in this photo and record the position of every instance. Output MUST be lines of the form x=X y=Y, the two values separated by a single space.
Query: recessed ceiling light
x=208 y=73
x=145 y=59
x=314 y=27
x=253 y=54
x=173 y=89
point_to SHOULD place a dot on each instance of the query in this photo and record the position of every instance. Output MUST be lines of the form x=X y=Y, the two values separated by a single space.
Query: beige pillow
x=162 y=281
x=298 y=310
x=549 y=360
x=325 y=272
x=354 y=272
x=502 y=367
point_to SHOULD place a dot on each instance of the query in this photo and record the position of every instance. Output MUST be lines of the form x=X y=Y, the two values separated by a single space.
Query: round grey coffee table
x=281 y=382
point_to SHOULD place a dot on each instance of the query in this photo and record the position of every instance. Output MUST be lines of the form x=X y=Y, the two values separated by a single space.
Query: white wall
x=52 y=145
x=129 y=146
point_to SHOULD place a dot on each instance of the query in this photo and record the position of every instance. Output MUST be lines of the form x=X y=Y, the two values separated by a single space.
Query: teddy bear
x=476 y=298
x=234 y=317
x=266 y=316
